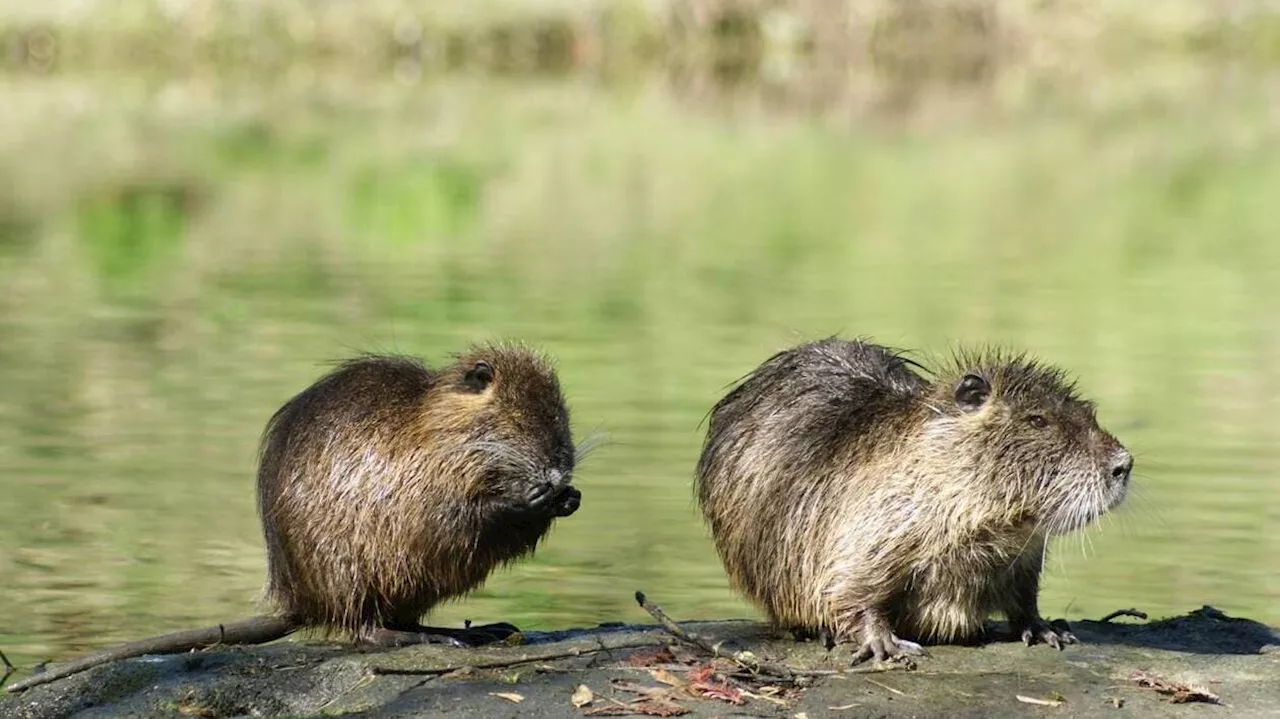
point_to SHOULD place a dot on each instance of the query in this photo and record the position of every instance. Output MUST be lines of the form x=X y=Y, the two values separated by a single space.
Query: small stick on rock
x=743 y=659
x=1039 y=702
x=886 y=687
x=9 y=669
x=511 y=662
x=1123 y=613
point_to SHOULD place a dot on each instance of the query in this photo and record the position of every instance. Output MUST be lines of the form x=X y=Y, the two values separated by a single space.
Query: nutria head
x=507 y=411
x=1031 y=439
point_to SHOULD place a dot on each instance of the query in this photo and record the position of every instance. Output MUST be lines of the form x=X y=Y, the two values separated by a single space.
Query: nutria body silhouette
x=387 y=487
x=850 y=495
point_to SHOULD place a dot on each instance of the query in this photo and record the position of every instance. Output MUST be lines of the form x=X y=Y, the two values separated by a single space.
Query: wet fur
x=387 y=486
x=842 y=487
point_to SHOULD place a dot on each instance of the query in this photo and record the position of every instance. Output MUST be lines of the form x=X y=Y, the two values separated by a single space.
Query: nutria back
x=388 y=486
x=848 y=491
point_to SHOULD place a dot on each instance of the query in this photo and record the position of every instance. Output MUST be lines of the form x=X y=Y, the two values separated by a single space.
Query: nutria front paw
x=1056 y=634
x=556 y=499
x=568 y=502
x=542 y=496
x=884 y=645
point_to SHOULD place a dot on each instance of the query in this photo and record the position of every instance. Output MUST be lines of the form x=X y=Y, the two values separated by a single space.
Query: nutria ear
x=478 y=378
x=972 y=392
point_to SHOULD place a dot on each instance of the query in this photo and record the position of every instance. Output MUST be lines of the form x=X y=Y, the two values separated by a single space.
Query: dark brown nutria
x=851 y=497
x=387 y=487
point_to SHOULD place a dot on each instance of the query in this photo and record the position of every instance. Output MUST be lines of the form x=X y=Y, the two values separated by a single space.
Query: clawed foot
x=560 y=500
x=884 y=645
x=1056 y=634
x=383 y=637
x=471 y=636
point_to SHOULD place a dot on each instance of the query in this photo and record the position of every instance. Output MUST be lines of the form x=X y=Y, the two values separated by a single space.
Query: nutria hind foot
x=880 y=643
x=1056 y=634
x=470 y=636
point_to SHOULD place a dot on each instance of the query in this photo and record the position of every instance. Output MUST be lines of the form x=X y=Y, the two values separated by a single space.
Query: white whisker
x=589 y=445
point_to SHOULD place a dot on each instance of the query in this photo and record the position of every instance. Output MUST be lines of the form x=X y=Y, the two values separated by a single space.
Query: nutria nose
x=1122 y=464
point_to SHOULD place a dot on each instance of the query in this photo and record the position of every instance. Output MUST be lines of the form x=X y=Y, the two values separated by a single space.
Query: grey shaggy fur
x=852 y=495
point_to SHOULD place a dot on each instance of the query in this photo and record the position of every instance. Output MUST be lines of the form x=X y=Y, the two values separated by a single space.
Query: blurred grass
x=182 y=245
x=543 y=35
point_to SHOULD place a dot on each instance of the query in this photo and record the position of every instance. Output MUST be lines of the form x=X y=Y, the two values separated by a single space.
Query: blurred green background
x=204 y=201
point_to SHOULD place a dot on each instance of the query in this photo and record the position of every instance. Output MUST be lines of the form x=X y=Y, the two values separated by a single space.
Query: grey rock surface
x=1235 y=659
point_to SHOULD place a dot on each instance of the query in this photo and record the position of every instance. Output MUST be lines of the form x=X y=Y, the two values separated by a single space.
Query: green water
x=180 y=255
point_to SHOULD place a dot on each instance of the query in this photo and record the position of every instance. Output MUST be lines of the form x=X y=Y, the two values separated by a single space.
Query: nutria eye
x=972 y=392
x=479 y=377
x=1038 y=421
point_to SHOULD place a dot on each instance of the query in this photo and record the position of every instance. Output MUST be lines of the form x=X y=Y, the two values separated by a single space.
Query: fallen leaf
x=1178 y=692
x=702 y=673
x=644 y=691
x=652 y=701
x=660 y=709
x=613 y=708
x=1039 y=702
x=702 y=683
x=773 y=690
x=765 y=697
x=801 y=715
x=645 y=708
x=582 y=696
x=1193 y=693
x=649 y=657
x=666 y=677
x=509 y=696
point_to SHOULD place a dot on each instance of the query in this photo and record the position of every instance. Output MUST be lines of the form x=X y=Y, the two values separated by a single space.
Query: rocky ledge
x=1203 y=663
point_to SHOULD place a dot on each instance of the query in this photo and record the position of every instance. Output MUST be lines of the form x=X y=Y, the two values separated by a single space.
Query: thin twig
x=252 y=630
x=1039 y=702
x=9 y=669
x=1123 y=613
x=501 y=663
x=743 y=659
x=886 y=687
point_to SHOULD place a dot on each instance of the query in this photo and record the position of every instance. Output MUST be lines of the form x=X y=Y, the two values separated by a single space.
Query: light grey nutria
x=850 y=496
x=387 y=487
